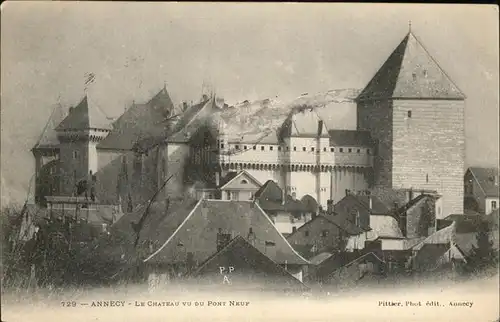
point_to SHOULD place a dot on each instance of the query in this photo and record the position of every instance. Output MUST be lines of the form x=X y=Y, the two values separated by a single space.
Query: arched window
x=244 y=181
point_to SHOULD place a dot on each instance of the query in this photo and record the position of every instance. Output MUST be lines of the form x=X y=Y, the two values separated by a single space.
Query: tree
x=483 y=257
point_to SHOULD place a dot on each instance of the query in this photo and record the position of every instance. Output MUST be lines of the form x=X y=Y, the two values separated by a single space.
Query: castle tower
x=78 y=134
x=415 y=113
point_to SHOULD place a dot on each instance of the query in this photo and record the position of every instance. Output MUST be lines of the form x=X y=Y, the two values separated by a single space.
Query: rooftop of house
x=195 y=227
x=487 y=179
x=411 y=72
x=270 y=198
x=241 y=254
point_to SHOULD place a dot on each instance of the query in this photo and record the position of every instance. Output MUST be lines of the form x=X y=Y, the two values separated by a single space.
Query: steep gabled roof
x=239 y=174
x=86 y=115
x=141 y=123
x=198 y=232
x=485 y=178
x=247 y=260
x=191 y=120
x=270 y=198
x=411 y=72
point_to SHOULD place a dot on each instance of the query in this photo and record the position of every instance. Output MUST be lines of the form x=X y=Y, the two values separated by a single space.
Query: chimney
x=329 y=206
x=410 y=195
x=217 y=179
x=402 y=223
x=283 y=197
x=495 y=178
x=370 y=203
x=320 y=127
x=294 y=229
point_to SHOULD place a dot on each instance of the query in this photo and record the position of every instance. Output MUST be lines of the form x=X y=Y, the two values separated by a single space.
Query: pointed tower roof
x=84 y=116
x=48 y=137
x=162 y=100
x=411 y=72
x=140 y=123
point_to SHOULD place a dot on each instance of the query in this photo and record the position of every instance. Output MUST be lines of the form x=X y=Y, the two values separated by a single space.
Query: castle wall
x=74 y=167
x=429 y=149
x=376 y=117
x=353 y=179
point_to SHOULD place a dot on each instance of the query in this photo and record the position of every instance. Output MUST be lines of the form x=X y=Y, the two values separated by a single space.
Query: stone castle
x=410 y=137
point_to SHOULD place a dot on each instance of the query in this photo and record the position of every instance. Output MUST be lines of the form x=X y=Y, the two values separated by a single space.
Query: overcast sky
x=247 y=51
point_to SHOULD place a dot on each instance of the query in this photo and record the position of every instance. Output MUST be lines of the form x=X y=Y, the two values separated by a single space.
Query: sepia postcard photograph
x=206 y=161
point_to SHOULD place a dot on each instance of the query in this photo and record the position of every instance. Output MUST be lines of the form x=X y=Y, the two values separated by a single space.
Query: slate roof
x=233 y=175
x=189 y=122
x=310 y=204
x=378 y=207
x=86 y=115
x=141 y=123
x=197 y=232
x=410 y=72
x=247 y=260
x=418 y=200
x=485 y=177
x=48 y=137
x=270 y=197
x=350 y=138
x=327 y=268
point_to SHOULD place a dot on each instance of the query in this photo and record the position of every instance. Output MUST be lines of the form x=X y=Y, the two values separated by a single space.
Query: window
x=288 y=148
x=359 y=151
x=306 y=233
x=295 y=148
x=349 y=150
x=228 y=195
x=324 y=233
x=235 y=195
x=279 y=148
x=414 y=75
x=255 y=147
x=368 y=151
x=244 y=147
x=244 y=181
x=341 y=149
x=75 y=154
x=332 y=149
x=270 y=148
x=324 y=149
x=409 y=114
x=493 y=204
x=312 y=149
x=304 y=148
x=425 y=73
x=222 y=146
x=237 y=147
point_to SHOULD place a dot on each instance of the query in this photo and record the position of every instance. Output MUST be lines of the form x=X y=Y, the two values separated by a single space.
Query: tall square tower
x=415 y=113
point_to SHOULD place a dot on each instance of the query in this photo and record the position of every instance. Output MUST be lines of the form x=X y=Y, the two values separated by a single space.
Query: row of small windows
x=304 y=149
